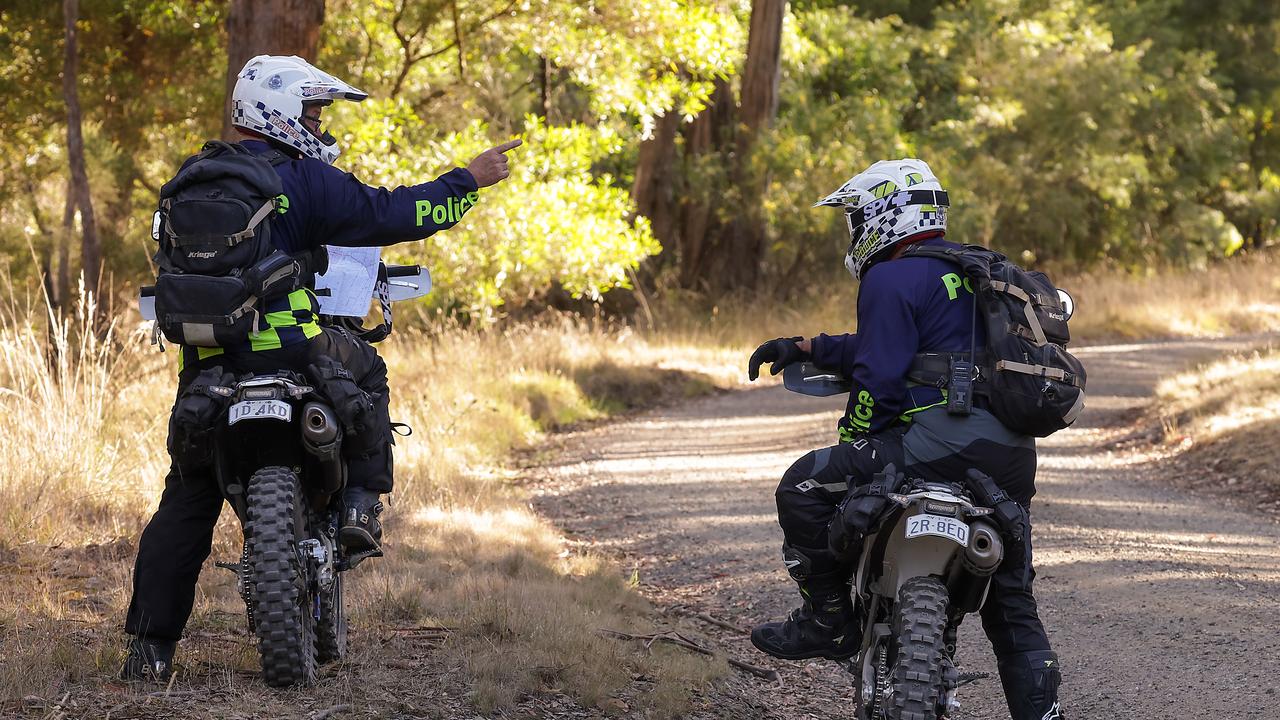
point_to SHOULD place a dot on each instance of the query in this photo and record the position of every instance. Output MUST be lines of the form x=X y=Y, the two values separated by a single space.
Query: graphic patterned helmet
x=269 y=97
x=885 y=204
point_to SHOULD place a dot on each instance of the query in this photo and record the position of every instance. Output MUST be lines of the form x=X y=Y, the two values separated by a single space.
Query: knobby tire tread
x=286 y=639
x=919 y=631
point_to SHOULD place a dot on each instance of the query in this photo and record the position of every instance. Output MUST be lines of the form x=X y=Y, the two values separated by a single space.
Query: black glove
x=781 y=352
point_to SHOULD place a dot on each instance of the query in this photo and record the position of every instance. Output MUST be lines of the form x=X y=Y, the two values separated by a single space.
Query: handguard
x=863 y=509
x=1008 y=514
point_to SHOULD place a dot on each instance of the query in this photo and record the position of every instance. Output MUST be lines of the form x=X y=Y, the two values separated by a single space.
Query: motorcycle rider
x=276 y=106
x=906 y=305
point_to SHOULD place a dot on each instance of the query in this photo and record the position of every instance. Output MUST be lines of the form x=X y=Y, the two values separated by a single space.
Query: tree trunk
x=268 y=27
x=710 y=134
x=652 y=189
x=79 y=197
x=759 y=103
x=744 y=252
x=544 y=87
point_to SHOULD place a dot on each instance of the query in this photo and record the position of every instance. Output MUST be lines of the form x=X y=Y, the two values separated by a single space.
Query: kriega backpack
x=1028 y=379
x=216 y=259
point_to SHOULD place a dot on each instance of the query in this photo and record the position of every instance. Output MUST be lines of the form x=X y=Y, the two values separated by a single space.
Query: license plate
x=940 y=526
x=260 y=410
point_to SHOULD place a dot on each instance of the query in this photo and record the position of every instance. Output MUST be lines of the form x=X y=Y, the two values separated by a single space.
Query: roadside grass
x=1224 y=417
x=1237 y=296
x=511 y=609
x=1230 y=297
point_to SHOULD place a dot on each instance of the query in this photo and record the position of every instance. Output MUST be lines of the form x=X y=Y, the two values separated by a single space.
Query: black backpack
x=1029 y=380
x=217 y=262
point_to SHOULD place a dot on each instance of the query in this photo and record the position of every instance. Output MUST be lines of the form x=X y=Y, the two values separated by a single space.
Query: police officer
x=276 y=107
x=906 y=305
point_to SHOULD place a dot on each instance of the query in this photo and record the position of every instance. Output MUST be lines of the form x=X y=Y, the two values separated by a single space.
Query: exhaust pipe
x=320 y=436
x=971 y=570
x=319 y=426
x=985 y=550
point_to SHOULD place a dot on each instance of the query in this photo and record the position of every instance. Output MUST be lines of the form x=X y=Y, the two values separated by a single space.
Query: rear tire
x=919 y=630
x=285 y=625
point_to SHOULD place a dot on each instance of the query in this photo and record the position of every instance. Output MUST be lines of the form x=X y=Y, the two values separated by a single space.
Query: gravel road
x=1161 y=604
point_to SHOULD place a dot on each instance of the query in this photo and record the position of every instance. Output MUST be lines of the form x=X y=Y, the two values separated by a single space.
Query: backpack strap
x=233 y=239
x=1039 y=371
x=933 y=369
x=263 y=213
x=1033 y=322
x=275 y=157
x=971 y=260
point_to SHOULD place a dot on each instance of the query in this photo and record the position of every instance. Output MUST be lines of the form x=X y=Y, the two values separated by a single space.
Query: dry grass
x=1227 y=298
x=1227 y=415
x=1241 y=295
x=83 y=422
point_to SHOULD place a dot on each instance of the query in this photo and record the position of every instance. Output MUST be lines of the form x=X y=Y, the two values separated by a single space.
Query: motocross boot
x=148 y=660
x=824 y=626
x=361 y=531
x=1031 y=683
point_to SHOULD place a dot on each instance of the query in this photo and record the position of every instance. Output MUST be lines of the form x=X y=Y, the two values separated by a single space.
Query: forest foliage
x=1071 y=132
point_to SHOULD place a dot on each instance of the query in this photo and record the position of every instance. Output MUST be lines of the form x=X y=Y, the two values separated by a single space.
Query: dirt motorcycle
x=277 y=455
x=925 y=562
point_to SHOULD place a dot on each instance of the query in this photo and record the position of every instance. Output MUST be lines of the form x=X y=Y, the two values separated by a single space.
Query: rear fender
x=246 y=447
x=904 y=559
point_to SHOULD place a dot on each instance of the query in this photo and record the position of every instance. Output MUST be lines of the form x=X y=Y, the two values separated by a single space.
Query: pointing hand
x=490 y=166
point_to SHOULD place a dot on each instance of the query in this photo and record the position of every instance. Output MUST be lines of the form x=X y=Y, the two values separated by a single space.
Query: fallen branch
x=679 y=640
x=329 y=712
x=706 y=618
x=178 y=693
x=721 y=623
x=424 y=629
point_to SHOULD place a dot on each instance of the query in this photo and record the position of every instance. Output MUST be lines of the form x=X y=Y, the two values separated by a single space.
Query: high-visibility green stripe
x=268 y=339
x=300 y=299
x=282 y=318
x=201 y=354
x=906 y=416
x=301 y=303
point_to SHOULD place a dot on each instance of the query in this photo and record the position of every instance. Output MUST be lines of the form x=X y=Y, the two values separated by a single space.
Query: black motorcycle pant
x=939 y=447
x=179 y=537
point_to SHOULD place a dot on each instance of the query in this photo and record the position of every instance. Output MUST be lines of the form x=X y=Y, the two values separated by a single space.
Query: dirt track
x=1161 y=604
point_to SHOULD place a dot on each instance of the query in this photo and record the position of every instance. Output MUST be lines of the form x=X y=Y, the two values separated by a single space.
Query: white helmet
x=886 y=204
x=269 y=96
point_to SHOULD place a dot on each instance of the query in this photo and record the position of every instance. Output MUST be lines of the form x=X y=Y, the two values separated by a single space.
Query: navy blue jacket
x=328 y=206
x=905 y=306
